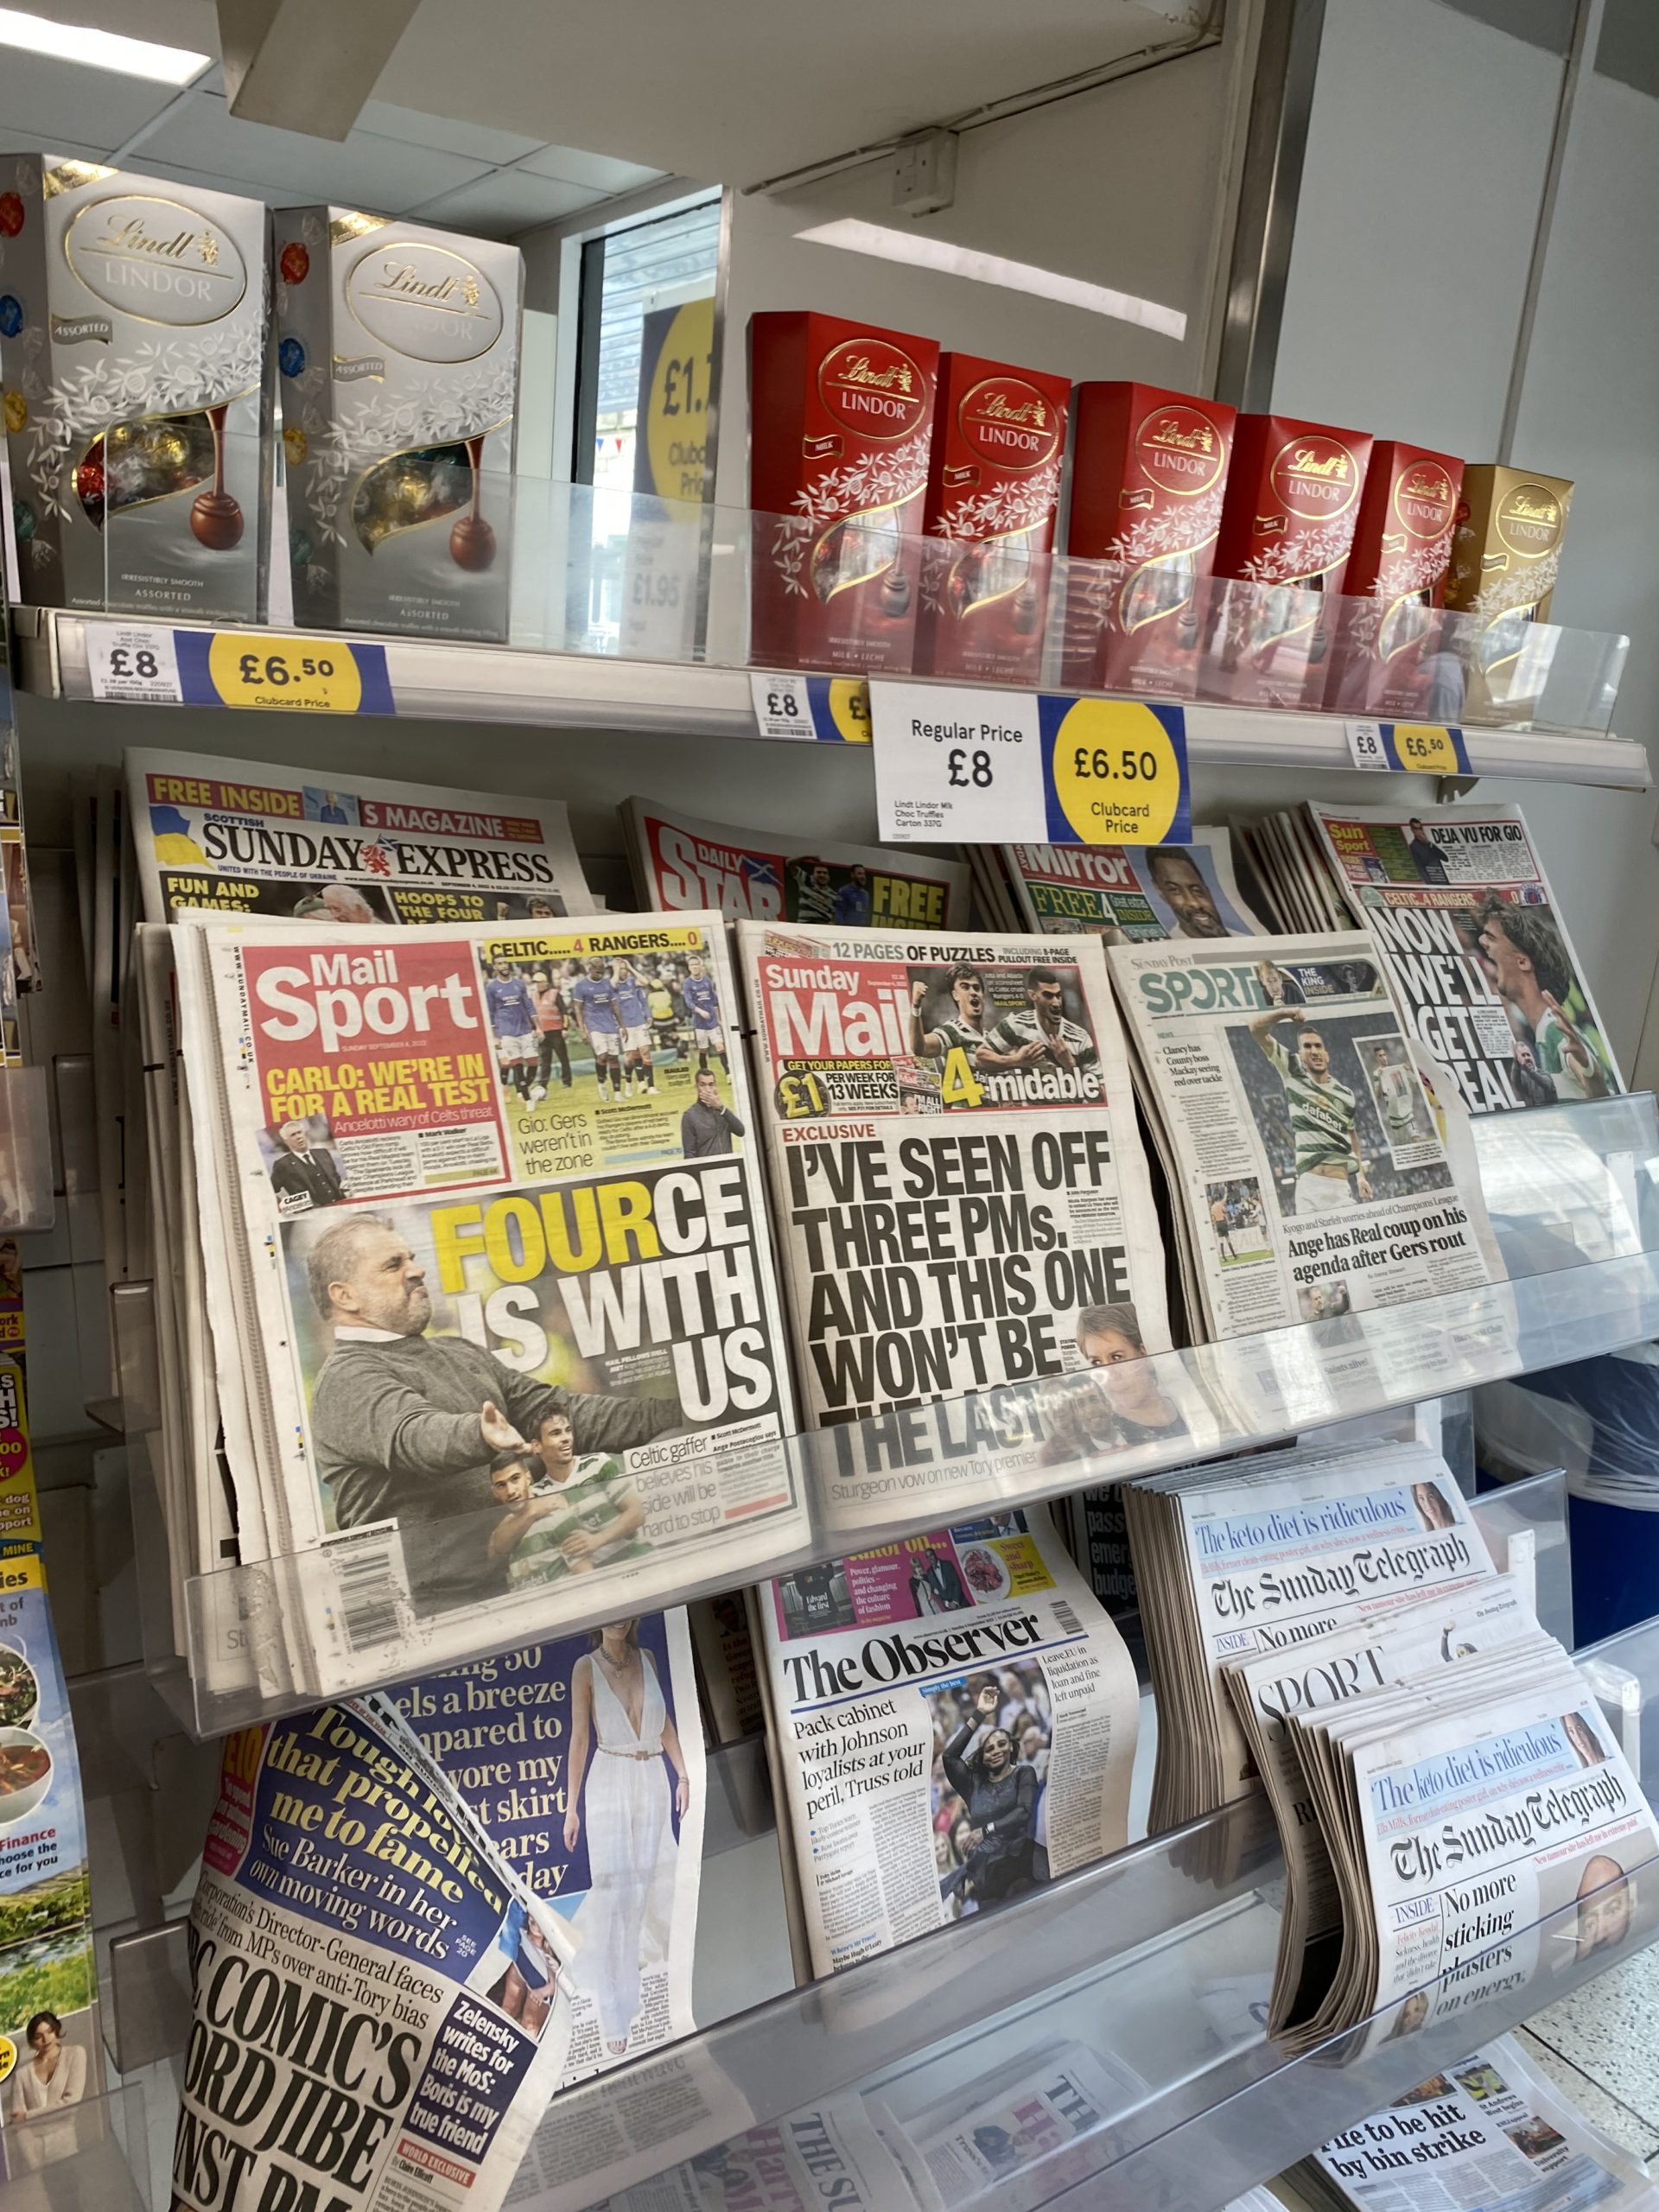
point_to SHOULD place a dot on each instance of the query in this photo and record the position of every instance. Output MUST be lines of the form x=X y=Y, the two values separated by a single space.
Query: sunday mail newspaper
x=1308 y=1157
x=502 y=1334
x=1476 y=950
x=960 y=1195
x=1131 y=895
x=246 y=837
x=956 y=1721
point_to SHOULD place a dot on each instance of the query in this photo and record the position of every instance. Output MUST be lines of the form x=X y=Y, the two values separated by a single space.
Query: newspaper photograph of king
x=407 y=1422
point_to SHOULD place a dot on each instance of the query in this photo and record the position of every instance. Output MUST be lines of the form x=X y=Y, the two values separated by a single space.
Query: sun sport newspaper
x=1131 y=895
x=247 y=838
x=956 y=1721
x=582 y=1757
x=754 y=875
x=380 y=2006
x=1273 y=1065
x=1491 y=2134
x=503 y=1333
x=1474 y=943
x=960 y=1194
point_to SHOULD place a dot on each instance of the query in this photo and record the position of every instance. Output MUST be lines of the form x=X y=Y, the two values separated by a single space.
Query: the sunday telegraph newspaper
x=1131 y=895
x=380 y=2004
x=1491 y=2134
x=246 y=837
x=1307 y=1156
x=497 y=1335
x=828 y=2159
x=960 y=1193
x=754 y=875
x=956 y=1719
x=1469 y=930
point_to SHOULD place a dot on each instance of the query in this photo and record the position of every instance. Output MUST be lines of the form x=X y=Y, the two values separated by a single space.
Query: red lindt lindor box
x=993 y=486
x=1288 y=518
x=840 y=417
x=1388 y=638
x=1148 y=473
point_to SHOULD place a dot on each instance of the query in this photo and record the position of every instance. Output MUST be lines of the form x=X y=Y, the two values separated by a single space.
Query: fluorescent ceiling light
x=127 y=57
x=919 y=252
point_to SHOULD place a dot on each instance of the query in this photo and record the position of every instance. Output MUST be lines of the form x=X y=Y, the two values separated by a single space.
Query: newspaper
x=248 y=837
x=1308 y=1167
x=829 y=2156
x=961 y=1196
x=381 y=2007
x=935 y=1767
x=492 y=1342
x=756 y=876
x=1491 y=2134
x=1131 y=895
x=1476 y=948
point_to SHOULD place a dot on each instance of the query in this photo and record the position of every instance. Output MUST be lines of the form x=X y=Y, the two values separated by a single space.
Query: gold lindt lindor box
x=1506 y=555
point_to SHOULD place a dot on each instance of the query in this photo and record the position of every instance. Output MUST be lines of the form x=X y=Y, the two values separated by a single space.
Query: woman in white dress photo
x=617 y=1707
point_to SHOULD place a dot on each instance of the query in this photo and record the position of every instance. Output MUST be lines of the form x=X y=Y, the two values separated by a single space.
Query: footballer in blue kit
x=633 y=1006
x=512 y=1023
x=592 y=1000
x=702 y=1003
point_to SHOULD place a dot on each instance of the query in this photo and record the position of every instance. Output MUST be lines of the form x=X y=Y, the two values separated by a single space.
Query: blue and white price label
x=808 y=710
x=1408 y=748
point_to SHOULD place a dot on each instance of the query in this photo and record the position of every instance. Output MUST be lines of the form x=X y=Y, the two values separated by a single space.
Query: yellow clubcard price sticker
x=1408 y=748
x=1117 y=772
x=301 y=675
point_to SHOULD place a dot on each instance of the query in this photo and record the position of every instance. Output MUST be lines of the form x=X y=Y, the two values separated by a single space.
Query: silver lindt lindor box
x=398 y=347
x=134 y=377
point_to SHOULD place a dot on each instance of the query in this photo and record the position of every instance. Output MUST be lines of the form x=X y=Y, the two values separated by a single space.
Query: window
x=648 y=311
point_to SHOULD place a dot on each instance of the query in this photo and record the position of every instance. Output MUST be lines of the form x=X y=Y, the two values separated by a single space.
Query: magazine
x=1131 y=895
x=382 y=2005
x=243 y=837
x=1476 y=948
x=493 y=1337
x=1308 y=1167
x=582 y=1757
x=680 y=865
x=961 y=1199
x=956 y=1724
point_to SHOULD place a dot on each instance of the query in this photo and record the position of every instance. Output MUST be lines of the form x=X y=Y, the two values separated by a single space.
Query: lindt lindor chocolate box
x=993 y=486
x=1388 y=657
x=398 y=348
x=841 y=416
x=1148 y=473
x=1506 y=556
x=1287 y=528
x=134 y=380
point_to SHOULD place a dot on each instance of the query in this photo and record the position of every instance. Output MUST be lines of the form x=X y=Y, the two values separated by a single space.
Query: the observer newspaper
x=246 y=837
x=753 y=874
x=957 y=1719
x=1469 y=930
x=960 y=1190
x=1131 y=895
x=1307 y=1156
x=511 y=1325
x=380 y=2006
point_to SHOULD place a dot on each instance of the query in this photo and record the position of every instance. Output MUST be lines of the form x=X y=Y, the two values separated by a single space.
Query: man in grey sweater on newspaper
x=405 y=1425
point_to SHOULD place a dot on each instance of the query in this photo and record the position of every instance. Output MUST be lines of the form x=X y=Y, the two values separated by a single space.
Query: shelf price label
x=1408 y=748
x=134 y=661
x=316 y=675
x=1117 y=772
x=807 y=709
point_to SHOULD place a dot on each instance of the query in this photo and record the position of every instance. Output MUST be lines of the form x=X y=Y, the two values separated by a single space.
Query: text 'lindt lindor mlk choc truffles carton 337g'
x=134 y=380
x=1390 y=655
x=1287 y=530
x=841 y=415
x=1148 y=475
x=993 y=486
x=398 y=348
x=1506 y=556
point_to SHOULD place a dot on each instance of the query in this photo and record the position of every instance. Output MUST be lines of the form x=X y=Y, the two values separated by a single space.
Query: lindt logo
x=1181 y=450
x=1424 y=501
x=873 y=388
x=1315 y=478
x=160 y=260
x=1008 y=421
x=424 y=301
x=1530 y=520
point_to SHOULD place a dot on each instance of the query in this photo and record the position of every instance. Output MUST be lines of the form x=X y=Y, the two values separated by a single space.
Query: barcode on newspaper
x=368 y=1589
x=1067 y=1617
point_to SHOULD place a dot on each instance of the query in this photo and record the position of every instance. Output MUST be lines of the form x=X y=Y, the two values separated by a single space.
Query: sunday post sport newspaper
x=1307 y=1156
x=500 y=1341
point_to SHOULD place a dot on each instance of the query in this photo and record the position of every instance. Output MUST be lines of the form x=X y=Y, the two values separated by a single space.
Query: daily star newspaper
x=1475 y=945
x=955 y=1721
x=381 y=2007
x=1131 y=895
x=502 y=1323
x=246 y=837
x=1306 y=1153
x=961 y=1196
x=681 y=865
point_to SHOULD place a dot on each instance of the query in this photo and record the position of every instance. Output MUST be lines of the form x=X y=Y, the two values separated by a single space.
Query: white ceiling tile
x=52 y=100
x=211 y=180
x=363 y=171
x=505 y=203
x=19 y=141
x=475 y=140
x=598 y=172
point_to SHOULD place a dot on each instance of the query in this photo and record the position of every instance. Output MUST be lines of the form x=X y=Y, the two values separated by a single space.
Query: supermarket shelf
x=433 y=679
